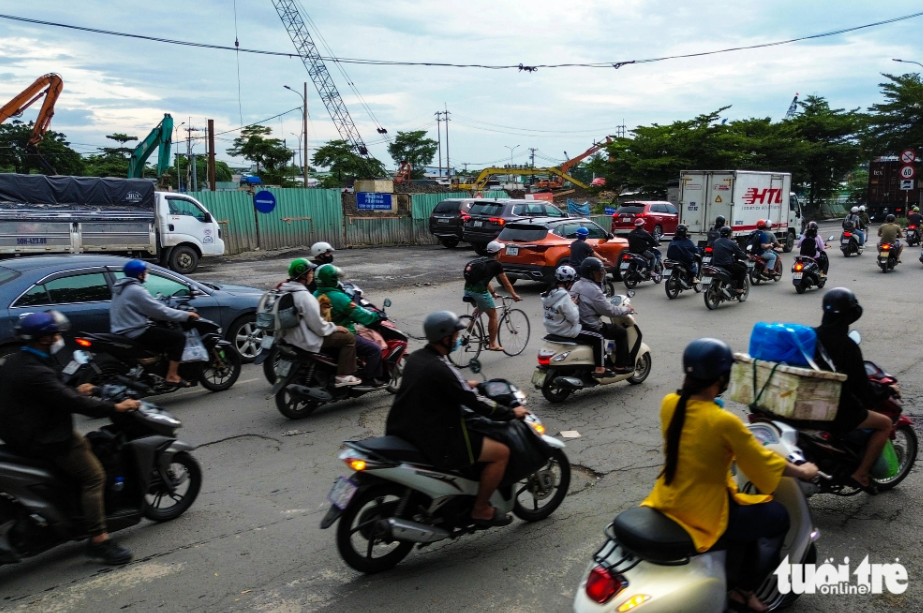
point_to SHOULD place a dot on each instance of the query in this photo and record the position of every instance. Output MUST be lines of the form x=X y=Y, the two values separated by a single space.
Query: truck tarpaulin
x=75 y=194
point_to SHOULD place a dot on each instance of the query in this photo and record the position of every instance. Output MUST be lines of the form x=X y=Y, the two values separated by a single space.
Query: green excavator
x=160 y=137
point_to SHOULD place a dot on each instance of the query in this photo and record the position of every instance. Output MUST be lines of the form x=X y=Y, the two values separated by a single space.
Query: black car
x=447 y=220
x=80 y=287
x=486 y=219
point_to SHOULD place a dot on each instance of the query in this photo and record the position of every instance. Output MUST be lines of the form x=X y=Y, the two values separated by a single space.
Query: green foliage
x=415 y=148
x=222 y=172
x=14 y=156
x=857 y=186
x=269 y=154
x=897 y=123
x=339 y=157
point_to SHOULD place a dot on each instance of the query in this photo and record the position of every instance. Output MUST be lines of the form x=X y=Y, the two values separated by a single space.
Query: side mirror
x=855 y=336
x=831 y=237
x=386 y=303
x=196 y=292
x=610 y=235
x=208 y=218
x=631 y=293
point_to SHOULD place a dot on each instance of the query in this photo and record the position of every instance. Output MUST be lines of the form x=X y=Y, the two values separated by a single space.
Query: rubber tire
x=396 y=375
x=634 y=379
x=631 y=279
x=712 y=290
x=658 y=232
x=912 y=437
x=672 y=288
x=789 y=242
x=500 y=330
x=449 y=243
x=184 y=260
x=235 y=329
x=232 y=356
x=307 y=406
x=800 y=288
x=480 y=248
x=512 y=280
x=344 y=546
x=658 y=268
x=608 y=288
x=821 y=282
x=269 y=365
x=558 y=497
x=552 y=396
x=195 y=485
x=743 y=297
x=754 y=276
x=466 y=356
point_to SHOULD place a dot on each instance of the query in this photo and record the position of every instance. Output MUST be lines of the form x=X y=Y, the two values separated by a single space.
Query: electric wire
x=240 y=106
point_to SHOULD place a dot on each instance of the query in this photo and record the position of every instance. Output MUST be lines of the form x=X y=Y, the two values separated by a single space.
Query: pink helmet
x=639 y=222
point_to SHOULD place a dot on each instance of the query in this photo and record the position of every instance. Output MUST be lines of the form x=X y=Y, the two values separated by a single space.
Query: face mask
x=457 y=345
x=719 y=402
x=326 y=258
x=57 y=346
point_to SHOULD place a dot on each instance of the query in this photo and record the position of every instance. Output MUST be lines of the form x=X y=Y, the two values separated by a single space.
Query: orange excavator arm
x=566 y=166
x=49 y=86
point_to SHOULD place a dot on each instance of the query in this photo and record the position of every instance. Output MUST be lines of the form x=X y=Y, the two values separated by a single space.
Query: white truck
x=43 y=215
x=743 y=197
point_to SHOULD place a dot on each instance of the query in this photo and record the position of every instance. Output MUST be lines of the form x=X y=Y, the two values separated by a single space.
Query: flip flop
x=175 y=385
x=500 y=349
x=496 y=520
x=869 y=489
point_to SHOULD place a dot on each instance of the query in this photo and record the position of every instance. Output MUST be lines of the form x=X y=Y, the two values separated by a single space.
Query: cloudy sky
x=119 y=84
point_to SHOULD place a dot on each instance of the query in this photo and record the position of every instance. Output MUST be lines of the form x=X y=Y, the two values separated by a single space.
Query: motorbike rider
x=713 y=232
x=727 y=254
x=36 y=421
x=479 y=273
x=854 y=223
x=313 y=333
x=641 y=242
x=841 y=354
x=581 y=250
x=915 y=219
x=592 y=304
x=813 y=246
x=346 y=313
x=889 y=233
x=695 y=488
x=133 y=311
x=764 y=243
x=683 y=250
x=864 y=216
x=321 y=253
x=428 y=412
x=562 y=316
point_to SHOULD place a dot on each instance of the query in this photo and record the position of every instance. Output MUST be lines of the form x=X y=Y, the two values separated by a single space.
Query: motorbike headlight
x=766 y=435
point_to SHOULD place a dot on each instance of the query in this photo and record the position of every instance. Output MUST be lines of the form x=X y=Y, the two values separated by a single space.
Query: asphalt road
x=252 y=541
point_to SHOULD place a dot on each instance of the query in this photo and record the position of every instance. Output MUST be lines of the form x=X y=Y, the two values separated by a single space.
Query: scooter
x=849 y=244
x=913 y=235
x=396 y=498
x=565 y=365
x=719 y=287
x=887 y=257
x=806 y=274
x=649 y=559
x=635 y=269
x=679 y=278
x=758 y=271
x=149 y=474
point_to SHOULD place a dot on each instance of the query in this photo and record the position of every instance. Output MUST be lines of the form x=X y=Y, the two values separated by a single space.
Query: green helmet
x=299 y=267
x=328 y=275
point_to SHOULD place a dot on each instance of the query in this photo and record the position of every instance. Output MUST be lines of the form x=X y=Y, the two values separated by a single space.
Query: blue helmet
x=37 y=325
x=582 y=232
x=707 y=359
x=135 y=268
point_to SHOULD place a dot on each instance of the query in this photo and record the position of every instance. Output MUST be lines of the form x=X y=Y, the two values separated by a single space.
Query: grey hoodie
x=561 y=314
x=593 y=303
x=133 y=308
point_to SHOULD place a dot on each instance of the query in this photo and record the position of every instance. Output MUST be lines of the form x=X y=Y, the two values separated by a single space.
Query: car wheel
x=246 y=338
x=449 y=243
x=789 y=242
x=184 y=260
x=480 y=248
x=658 y=232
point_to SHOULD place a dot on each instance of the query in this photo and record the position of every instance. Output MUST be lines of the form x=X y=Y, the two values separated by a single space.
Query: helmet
x=916 y=209
x=582 y=232
x=135 y=268
x=812 y=225
x=862 y=208
x=639 y=222
x=681 y=231
x=707 y=359
x=889 y=218
x=494 y=247
x=299 y=267
x=841 y=305
x=590 y=266
x=761 y=224
x=768 y=224
x=441 y=324
x=725 y=231
x=854 y=210
x=319 y=248
x=37 y=325
x=565 y=274
x=328 y=275
x=720 y=221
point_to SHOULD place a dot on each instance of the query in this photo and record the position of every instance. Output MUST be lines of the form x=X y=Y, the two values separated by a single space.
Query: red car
x=660 y=217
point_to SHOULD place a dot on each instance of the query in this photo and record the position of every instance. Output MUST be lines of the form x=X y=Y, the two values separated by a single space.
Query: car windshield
x=522 y=233
x=447 y=206
x=629 y=210
x=487 y=208
x=7 y=275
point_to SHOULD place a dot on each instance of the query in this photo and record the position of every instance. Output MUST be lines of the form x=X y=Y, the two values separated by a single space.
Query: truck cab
x=187 y=232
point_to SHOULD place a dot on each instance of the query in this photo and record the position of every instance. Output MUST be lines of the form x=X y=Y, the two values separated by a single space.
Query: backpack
x=276 y=311
x=475 y=271
x=756 y=241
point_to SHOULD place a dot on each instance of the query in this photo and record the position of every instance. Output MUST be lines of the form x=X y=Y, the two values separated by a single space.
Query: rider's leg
x=881 y=425
x=165 y=340
x=771 y=258
x=492 y=327
x=496 y=456
x=598 y=343
x=620 y=336
x=346 y=343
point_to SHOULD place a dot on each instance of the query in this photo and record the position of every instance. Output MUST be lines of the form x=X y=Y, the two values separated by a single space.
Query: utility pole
x=448 y=167
x=532 y=150
x=439 y=139
x=304 y=159
x=212 y=179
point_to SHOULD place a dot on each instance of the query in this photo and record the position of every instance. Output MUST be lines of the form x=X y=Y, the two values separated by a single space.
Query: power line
x=520 y=67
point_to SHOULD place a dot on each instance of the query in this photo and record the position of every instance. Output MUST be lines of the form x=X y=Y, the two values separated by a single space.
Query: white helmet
x=768 y=224
x=319 y=248
x=855 y=209
x=494 y=247
x=862 y=208
x=565 y=274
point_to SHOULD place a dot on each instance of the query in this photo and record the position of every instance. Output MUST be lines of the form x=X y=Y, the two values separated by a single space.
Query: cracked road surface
x=252 y=541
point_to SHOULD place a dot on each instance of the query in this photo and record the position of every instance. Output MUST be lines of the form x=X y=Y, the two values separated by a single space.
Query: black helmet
x=812 y=225
x=724 y=232
x=441 y=324
x=681 y=231
x=889 y=218
x=707 y=359
x=720 y=221
x=590 y=266
x=841 y=306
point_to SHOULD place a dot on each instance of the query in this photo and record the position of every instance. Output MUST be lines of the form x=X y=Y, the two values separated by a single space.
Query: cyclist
x=478 y=275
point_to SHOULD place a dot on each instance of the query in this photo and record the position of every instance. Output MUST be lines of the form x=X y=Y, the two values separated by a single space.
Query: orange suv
x=536 y=247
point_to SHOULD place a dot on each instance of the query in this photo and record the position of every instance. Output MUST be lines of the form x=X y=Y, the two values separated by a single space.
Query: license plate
x=845 y=241
x=624 y=266
x=706 y=280
x=283 y=368
x=706 y=260
x=797 y=275
x=267 y=341
x=751 y=264
x=478 y=224
x=884 y=254
x=342 y=492
x=72 y=367
x=512 y=251
x=442 y=221
x=538 y=378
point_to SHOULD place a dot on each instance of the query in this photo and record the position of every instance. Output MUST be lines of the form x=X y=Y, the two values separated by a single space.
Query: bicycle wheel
x=472 y=341
x=513 y=333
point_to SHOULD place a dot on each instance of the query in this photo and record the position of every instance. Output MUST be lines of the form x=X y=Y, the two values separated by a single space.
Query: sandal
x=497 y=520
x=175 y=385
x=869 y=489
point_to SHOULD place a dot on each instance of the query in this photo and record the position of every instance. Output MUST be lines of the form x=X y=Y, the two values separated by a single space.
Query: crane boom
x=566 y=166
x=160 y=137
x=326 y=88
x=49 y=86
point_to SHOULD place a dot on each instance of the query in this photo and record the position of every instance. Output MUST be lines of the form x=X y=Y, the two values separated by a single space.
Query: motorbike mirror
x=631 y=293
x=855 y=336
x=386 y=303
x=831 y=237
x=81 y=357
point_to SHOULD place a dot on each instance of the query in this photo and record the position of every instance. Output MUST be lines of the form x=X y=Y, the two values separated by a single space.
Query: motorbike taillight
x=847 y=234
x=603 y=584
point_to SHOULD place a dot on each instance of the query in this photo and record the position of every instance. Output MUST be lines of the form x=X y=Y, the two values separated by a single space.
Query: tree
x=223 y=172
x=54 y=148
x=112 y=161
x=415 y=148
x=897 y=123
x=269 y=154
x=338 y=156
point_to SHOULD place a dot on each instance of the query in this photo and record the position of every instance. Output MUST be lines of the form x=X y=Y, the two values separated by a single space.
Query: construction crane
x=49 y=86
x=557 y=181
x=326 y=88
x=481 y=181
x=792 y=108
x=160 y=138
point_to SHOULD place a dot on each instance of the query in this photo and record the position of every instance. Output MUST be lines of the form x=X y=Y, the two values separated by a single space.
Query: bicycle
x=512 y=333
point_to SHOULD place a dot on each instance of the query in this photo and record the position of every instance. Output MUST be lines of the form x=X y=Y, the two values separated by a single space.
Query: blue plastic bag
x=792 y=344
x=578 y=209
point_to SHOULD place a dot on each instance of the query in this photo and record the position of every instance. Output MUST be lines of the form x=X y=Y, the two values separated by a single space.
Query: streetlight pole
x=511 y=158
x=304 y=121
x=908 y=62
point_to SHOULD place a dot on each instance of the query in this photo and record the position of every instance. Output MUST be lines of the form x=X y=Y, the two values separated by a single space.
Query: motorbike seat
x=119 y=340
x=394 y=448
x=298 y=351
x=563 y=340
x=652 y=536
x=8 y=456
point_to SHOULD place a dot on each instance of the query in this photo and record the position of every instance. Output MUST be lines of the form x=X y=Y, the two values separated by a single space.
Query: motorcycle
x=913 y=235
x=149 y=474
x=758 y=271
x=887 y=256
x=118 y=358
x=849 y=244
x=719 y=287
x=396 y=499
x=635 y=269
x=565 y=366
x=679 y=277
x=649 y=559
x=806 y=274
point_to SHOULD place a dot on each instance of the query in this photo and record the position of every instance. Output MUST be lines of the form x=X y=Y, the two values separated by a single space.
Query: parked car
x=660 y=218
x=487 y=218
x=536 y=247
x=447 y=220
x=80 y=287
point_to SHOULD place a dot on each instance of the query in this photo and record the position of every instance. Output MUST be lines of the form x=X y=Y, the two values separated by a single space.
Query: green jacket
x=345 y=312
